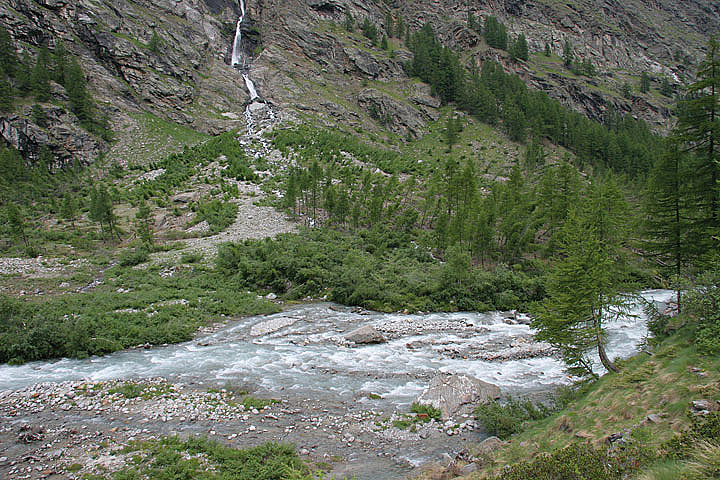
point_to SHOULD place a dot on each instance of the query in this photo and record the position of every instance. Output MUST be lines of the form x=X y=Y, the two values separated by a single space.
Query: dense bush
x=219 y=215
x=377 y=269
x=704 y=305
x=503 y=420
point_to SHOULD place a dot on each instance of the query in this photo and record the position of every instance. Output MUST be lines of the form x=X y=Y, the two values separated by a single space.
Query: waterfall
x=251 y=87
x=237 y=43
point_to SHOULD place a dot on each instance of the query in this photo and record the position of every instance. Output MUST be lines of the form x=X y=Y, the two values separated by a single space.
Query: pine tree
x=548 y=52
x=451 y=131
x=495 y=33
x=16 y=220
x=519 y=49
x=101 y=211
x=6 y=99
x=38 y=115
x=75 y=85
x=155 y=43
x=60 y=62
x=384 y=43
x=699 y=130
x=585 y=284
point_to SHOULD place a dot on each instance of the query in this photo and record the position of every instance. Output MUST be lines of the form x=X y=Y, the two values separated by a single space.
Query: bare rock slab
x=364 y=335
x=450 y=392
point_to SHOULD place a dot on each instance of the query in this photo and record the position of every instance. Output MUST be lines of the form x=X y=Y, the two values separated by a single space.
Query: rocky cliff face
x=305 y=63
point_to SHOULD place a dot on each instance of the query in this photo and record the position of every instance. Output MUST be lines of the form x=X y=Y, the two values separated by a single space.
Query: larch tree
x=584 y=287
x=699 y=130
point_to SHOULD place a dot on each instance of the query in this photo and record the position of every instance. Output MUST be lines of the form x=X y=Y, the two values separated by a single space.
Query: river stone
x=489 y=445
x=272 y=325
x=364 y=335
x=450 y=392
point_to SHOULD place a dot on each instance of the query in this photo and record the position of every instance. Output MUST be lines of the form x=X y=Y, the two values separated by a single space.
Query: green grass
x=153 y=309
x=175 y=458
x=662 y=384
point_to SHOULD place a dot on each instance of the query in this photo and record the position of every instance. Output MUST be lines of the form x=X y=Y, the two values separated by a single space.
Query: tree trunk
x=610 y=366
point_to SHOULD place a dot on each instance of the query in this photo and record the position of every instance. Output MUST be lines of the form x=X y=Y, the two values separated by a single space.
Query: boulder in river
x=450 y=392
x=364 y=335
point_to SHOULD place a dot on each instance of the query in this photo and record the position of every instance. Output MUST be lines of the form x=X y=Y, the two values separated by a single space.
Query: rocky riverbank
x=66 y=430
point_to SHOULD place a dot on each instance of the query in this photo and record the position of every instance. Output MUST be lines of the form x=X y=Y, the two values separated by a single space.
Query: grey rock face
x=450 y=392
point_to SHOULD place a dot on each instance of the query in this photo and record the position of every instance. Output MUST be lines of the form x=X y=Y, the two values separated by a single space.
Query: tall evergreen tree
x=495 y=33
x=669 y=226
x=699 y=130
x=40 y=76
x=519 y=49
x=8 y=56
x=585 y=284
x=568 y=55
x=60 y=62
x=389 y=24
x=644 y=83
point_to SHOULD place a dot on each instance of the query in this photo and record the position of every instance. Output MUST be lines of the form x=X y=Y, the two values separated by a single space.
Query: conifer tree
x=8 y=56
x=568 y=55
x=699 y=130
x=585 y=284
x=60 y=62
x=69 y=208
x=40 y=76
x=519 y=49
x=5 y=93
x=349 y=22
x=548 y=52
x=644 y=83
x=669 y=226
x=389 y=25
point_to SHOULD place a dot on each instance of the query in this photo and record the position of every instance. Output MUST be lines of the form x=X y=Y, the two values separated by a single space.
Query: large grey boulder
x=450 y=392
x=364 y=335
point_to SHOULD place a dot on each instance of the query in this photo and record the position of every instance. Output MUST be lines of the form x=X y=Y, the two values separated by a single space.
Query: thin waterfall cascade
x=237 y=42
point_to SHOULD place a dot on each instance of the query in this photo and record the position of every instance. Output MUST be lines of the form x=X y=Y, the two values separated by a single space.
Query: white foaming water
x=251 y=87
x=237 y=43
x=310 y=357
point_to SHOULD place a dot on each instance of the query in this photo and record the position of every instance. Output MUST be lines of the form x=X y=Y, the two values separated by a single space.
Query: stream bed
x=329 y=387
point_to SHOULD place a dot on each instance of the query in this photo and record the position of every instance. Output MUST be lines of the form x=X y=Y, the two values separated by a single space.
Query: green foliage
x=429 y=410
x=504 y=420
x=38 y=115
x=40 y=76
x=644 y=85
x=577 y=461
x=349 y=22
x=218 y=214
x=174 y=458
x=626 y=146
x=8 y=57
x=155 y=44
x=132 y=257
x=684 y=445
x=584 y=286
x=473 y=23
x=250 y=402
x=102 y=212
x=548 y=51
x=103 y=321
x=495 y=33
x=568 y=55
x=377 y=269
x=703 y=303
x=369 y=29
x=519 y=49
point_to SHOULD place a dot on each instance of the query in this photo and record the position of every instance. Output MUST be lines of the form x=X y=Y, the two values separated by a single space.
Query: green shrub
x=218 y=214
x=136 y=256
x=429 y=410
x=503 y=420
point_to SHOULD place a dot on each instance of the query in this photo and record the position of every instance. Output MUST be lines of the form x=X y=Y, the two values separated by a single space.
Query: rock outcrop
x=450 y=392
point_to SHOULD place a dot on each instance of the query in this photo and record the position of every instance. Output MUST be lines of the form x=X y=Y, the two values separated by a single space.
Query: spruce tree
x=519 y=49
x=69 y=208
x=6 y=99
x=389 y=25
x=60 y=62
x=548 y=52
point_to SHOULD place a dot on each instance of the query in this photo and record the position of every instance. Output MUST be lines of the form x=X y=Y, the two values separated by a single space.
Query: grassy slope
x=664 y=384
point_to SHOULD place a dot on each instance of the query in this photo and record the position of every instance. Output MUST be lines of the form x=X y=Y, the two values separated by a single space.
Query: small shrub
x=136 y=256
x=429 y=410
x=503 y=420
